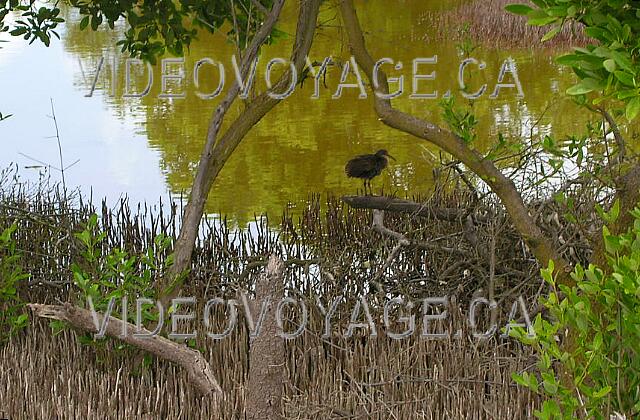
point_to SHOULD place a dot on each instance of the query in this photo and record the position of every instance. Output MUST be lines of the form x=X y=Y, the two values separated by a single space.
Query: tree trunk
x=502 y=186
x=263 y=395
x=193 y=211
x=217 y=152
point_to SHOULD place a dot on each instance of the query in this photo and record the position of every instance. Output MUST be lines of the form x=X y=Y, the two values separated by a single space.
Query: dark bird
x=367 y=167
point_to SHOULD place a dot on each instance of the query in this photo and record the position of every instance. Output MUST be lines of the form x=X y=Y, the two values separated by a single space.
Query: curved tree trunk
x=503 y=187
x=217 y=151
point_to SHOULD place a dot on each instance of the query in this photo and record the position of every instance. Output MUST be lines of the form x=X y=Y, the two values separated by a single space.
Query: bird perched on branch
x=367 y=167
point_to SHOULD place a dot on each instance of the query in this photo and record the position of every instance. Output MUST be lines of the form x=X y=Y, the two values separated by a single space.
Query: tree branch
x=397 y=205
x=628 y=192
x=191 y=360
x=260 y=6
x=616 y=133
x=504 y=188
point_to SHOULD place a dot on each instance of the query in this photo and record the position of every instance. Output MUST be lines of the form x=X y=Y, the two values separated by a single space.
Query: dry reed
x=487 y=23
x=329 y=250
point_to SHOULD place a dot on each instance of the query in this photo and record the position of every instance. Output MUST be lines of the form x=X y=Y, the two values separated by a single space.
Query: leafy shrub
x=594 y=370
x=13 y=317
x=609 y=65
x=102 y=275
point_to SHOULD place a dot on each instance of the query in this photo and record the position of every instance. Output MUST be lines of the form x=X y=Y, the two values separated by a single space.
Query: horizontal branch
x=397 y=205
x=192 y=361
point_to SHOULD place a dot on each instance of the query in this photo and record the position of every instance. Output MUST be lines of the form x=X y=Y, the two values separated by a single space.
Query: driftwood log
x=191 y=360
x=405 y=206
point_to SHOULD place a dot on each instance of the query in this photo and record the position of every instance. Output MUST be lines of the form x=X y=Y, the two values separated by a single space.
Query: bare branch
x=402 y=241
x=191 y=360
x=616 y=134
x=405 y=206
x=200 y=189
x=236 y=29
x=378 y=225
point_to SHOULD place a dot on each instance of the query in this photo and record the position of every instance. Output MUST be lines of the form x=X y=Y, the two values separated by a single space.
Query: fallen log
x=197 y=367
x=405 y=206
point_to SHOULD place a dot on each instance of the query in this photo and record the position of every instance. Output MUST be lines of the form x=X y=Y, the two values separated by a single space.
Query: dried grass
x=491 y=26
x=328 y=250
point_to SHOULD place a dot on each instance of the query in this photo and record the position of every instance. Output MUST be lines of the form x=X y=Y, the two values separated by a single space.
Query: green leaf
x=520 y=379
x=578 y=90
x=550 y=387
x=589 y=288
x=629 y=93
x=610 y=65
x=550 y=409
x=542 y=21
x=599 y=34
x=604 y=391
x=84 y=22
x=614 y=213
x=625 y=78
x=585 y=86
x=558 y=11
x=21 y=320
x=19 y=31
x=597 y=341
x=633 y=108
x=568 y=60
x=551 y=34
x=518 y=9
x=623 y=61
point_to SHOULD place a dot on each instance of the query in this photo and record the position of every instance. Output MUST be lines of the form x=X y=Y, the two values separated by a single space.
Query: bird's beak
x=388 y=155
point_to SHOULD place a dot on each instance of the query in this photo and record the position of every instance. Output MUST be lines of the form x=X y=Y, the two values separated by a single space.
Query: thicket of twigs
x=465 y=248
x=486 y=22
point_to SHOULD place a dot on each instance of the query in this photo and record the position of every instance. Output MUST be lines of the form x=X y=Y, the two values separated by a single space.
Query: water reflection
x=142 y=146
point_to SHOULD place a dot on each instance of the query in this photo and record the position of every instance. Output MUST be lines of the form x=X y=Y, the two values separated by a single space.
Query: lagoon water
x=146 y=148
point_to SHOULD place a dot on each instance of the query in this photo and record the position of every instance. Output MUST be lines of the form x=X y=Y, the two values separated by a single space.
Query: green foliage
x=609 y=68
x=600 y=357
x=151 y=28
x=116 y=274
x=33 y=22
x=462 y=122
x=13 y=317
x=466 y=46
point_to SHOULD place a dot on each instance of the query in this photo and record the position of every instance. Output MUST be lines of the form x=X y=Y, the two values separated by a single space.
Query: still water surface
x=147 y=148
